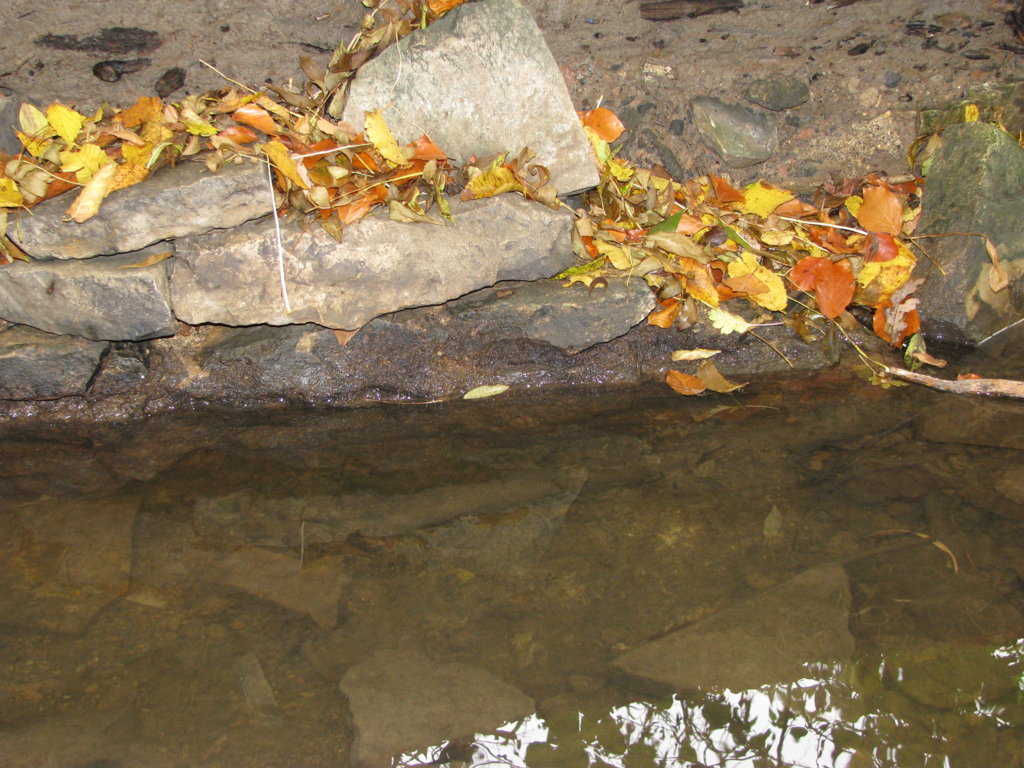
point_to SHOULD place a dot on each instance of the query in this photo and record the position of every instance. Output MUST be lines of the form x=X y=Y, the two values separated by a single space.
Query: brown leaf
x=344 y=337
x=150 y=260
x=882 y=211
x=715 y=381
x=664 y=317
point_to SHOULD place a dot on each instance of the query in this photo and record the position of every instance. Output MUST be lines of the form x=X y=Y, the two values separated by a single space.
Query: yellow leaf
x=485 y=391
x=378 y=134
x=761 y=198
x=126 y=175
x=149 y=260
x=33 y=122
x=620 y=169
x=83 y=162
x=971 y=113
x=853 y=204
x=10 y=196
x=195 y=125
x=694 y=354
x=65 y=122
x=89 y=199
x=493 y=181
x=774 y=296
x=282 y=160
x=618 y=257
x=878 y=279
x=601 y=149
x=715 y=381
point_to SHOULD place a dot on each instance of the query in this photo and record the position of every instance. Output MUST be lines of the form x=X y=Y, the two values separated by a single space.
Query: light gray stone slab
x=403 y=701
x=174 y=202
x=766 y=639
x=381 y=266
x=480 y=80
x=100 y=299
x=41 y=366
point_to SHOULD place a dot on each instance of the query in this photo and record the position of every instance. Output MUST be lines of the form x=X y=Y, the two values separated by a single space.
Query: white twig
x=824 y=224
x=280 y=248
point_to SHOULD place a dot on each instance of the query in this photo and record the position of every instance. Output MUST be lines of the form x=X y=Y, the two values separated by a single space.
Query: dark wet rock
x=122 y=370
x=175 y=202
x=778 y=92
x=38 y=365
x=767 y=638
x=403 y=701
x=115 y=40
x=740 y=136
x=83 y=562
x=170 y=81
x=112 y=70
x=104 y=298
x=495 y=52
x=571 y=318
x=244 y=518
x=381 y=266
x=975 y=184
x=9 y=107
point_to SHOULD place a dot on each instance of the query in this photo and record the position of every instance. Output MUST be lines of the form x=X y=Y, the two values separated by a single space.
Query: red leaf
x=724 y=191
x=832 y=284
x=880 y=246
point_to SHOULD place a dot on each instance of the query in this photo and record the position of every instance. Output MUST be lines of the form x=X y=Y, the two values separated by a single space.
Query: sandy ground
x=870 y=66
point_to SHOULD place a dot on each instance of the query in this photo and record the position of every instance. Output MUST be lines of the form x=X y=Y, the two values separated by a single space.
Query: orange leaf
x=142 y=111
x=684 y=383
x=911 y=323
x=314 y=153
x=833 y=285
x=724 y=191
x=437 y=7
x=689 y=225
x=795 y=208
x=603 y=122
x=425 y=149
x=239 y=134
x=257 y=117
x=664 y=317
x=882 y=211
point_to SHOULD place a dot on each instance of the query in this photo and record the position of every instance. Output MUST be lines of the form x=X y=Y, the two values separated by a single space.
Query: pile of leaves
x=699 y=244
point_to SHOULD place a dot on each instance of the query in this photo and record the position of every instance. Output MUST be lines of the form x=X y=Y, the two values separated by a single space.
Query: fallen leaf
x=240 y=134
x=998 y=280
x=761 y=198
x=881 y=211
x=88 y=201
x=83 y=162
x=401 y=212
x=343 y=337
x=603 y=122
x=126 y=175
x=684 y=383
x=715 y=381
x=664 y=317
x=833 y=285
x=774 y=296
x=146 y=109
x=494 y=181
x=880 y=246
x=437 y=7
x=488 y=390
x=10 y=195
x=694 y=354
x=724 y=191
x=727 y=322
x=378 y=134
x=282 y=161
x=66 y=122
x=257 y=117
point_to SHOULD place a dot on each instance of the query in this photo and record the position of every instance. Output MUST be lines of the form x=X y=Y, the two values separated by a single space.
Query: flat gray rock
x=778 y=92
x=765 y=639
x=174 y=202
x=740 y=136
x=100 y=299
x=402 y=701
x=35 y=365
x=975 y=184
x=571 y=318
x=478 y=81
x=381 y=266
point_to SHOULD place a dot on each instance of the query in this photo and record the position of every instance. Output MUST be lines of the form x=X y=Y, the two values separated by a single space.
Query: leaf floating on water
x=715 y=381
x=488 y=390
x=684 y=383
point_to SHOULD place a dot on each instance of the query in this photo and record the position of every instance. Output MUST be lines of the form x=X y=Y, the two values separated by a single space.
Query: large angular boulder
x=480 y=80
x=105 y=298
x=975 y=185
x=40 y=366
x=381 y=266
x=174 y=202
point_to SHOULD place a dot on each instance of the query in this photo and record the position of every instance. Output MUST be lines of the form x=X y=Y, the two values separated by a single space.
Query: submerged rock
x=765 y=639
x=381 y=266
x=510 y=92
x=174 y=202
x=402 y=701
x=778 y=92
x=975 y=184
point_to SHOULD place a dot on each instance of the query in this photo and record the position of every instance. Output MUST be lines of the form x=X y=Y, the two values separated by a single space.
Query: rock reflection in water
x=628 y=579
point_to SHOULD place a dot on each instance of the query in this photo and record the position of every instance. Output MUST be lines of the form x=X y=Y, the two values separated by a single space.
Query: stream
x=814 y=571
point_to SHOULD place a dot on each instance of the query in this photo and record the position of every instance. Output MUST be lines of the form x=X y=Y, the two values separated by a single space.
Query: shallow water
x=453 y=584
